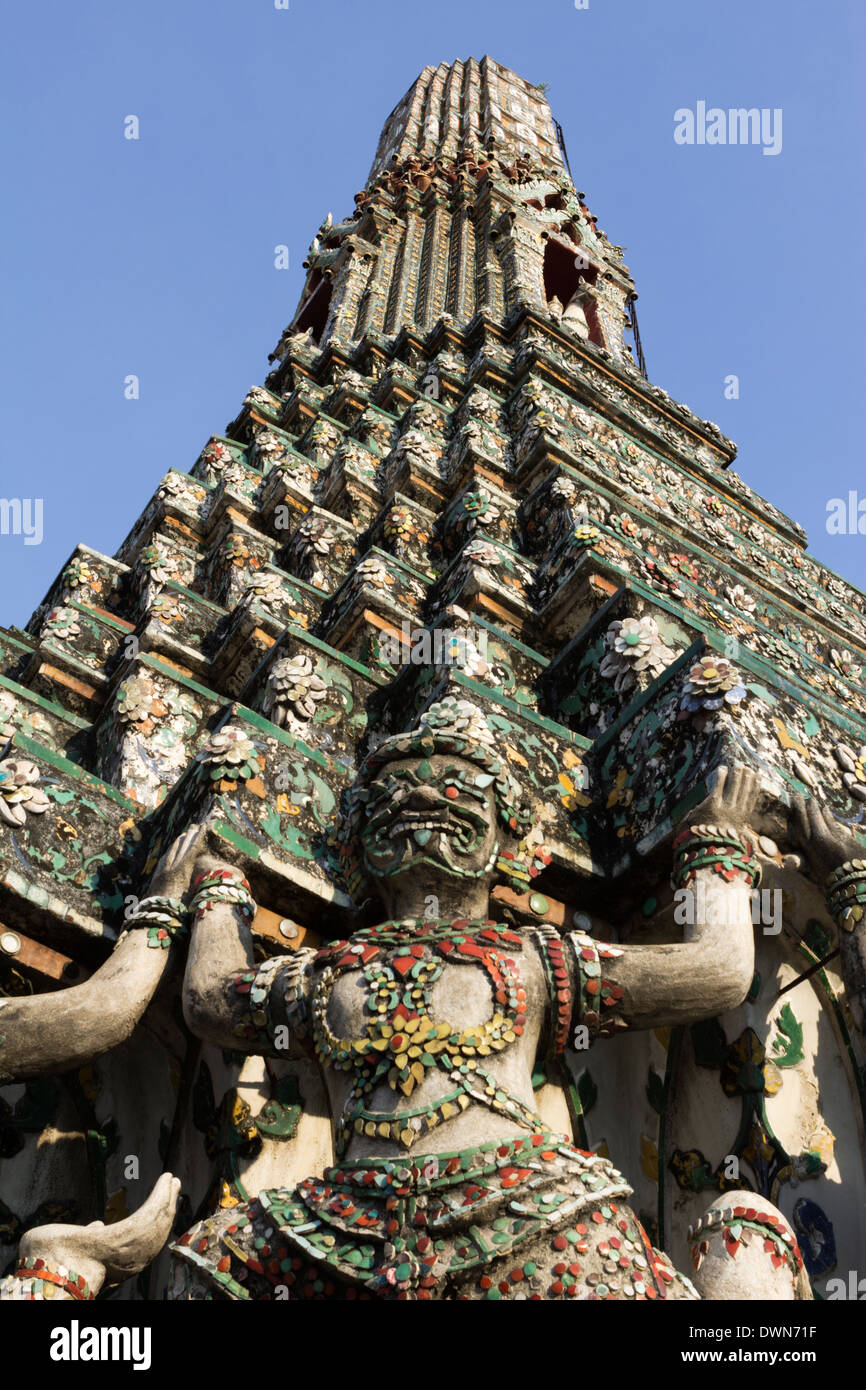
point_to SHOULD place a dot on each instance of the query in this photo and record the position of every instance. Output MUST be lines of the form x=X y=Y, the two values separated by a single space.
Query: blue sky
x=155 y=257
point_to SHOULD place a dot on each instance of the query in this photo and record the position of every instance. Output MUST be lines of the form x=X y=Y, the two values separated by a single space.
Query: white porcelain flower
x=373 y=570
x=264 y=588
x=633 y=648
x=230 y=745
x=462 y=717
x=19 y=796
x=8 y=707
x=846 y=662
x=294 y=688
x=741 y=598
x=135 y=700
x=853 y=767
x=62 y=623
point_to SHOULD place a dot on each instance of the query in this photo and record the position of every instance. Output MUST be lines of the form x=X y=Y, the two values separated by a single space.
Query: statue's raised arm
x=427 y=1025
x=837 y=862
x=228 y=999
x=61 y=1031
x=619 y=987
x=68 y=1263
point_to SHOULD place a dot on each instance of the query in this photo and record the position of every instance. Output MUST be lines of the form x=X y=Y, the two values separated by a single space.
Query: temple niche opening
x=567 y=289
x=430 y=845
x=313 y=315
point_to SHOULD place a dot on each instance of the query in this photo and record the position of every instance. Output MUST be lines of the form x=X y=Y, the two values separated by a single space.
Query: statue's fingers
x=192 y=836
x=183 y=844
x=166 y=1188
x=717 y=781
x=734 y=790
x=172 y=1198
x=206 y=863
x=734 y=785
x=172 y=1191
x=816 y=818
x=799 y=821
x=749 y=785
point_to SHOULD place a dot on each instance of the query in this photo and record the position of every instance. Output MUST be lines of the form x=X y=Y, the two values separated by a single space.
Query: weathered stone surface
x=70 y=851
x=533 y=687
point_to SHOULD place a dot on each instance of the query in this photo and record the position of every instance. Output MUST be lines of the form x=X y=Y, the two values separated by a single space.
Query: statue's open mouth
x=408 y=823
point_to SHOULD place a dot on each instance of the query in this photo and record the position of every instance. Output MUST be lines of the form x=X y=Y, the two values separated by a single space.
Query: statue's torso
x=413 y=1026
x=447 y=1183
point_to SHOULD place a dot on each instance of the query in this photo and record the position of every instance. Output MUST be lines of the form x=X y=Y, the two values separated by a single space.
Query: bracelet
x=222 y=886
x=846 y=893
x=737 y=1225
x=294 y=1001
x=37 y=1282
x=594 y=993
x=714 y=847
x=257 y=985
x=165 y=919
x=550 y=948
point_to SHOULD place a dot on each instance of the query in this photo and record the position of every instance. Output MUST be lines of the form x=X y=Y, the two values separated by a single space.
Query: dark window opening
x=314 y=312
x=562 y=280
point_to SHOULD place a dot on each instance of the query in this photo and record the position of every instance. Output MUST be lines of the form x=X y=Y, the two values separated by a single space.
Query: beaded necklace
x=401 y=1045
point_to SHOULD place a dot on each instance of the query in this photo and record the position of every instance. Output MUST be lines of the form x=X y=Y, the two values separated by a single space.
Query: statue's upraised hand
x=825 y=842
x=173 y=874
x=120 y=1250
x=208 y=863
x=732 y=799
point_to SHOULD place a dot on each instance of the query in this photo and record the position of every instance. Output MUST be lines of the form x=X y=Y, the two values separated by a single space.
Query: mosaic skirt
x=530 y=1218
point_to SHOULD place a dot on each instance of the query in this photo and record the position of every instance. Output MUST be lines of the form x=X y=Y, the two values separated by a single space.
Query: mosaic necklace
x=402 y=1044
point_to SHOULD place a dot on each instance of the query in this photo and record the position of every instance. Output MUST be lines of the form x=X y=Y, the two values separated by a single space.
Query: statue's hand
x=122 y=1249
x=173 y=873
x=732 y=799
x=824 y=841
x=207 y=863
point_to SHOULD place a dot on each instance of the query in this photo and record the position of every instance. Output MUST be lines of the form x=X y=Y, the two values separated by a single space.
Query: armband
x=550 y=947
x=164 y=918
x=740 y=1225
x=598 y=998
x=716 y=847
x=34 y=1281
x=846 y=894
x=270 y=1009
x=222 y=886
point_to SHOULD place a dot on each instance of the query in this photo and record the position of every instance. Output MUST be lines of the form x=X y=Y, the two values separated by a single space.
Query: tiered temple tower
x=454 y=437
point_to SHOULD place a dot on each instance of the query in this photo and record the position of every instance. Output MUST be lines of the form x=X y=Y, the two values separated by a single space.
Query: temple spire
x=469 y=208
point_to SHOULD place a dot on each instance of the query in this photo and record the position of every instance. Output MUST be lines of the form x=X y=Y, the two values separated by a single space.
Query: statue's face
x=436 y=812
